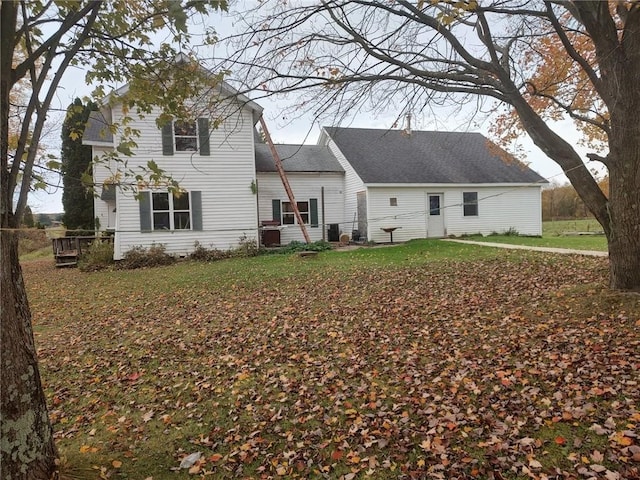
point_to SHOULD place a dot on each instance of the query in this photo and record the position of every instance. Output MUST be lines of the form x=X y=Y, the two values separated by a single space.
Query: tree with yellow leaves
x=40 y=42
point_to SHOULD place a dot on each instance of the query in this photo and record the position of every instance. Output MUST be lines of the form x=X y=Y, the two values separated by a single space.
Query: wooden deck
x=67 y=250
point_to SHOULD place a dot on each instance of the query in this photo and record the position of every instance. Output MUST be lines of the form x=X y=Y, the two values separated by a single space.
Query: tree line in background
x=562 y=202
x=39 y=220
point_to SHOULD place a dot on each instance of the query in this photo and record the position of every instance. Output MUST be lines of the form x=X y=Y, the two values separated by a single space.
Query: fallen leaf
x=560 y=441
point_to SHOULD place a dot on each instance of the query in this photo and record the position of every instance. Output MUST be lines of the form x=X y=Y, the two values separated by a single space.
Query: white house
x=317 y=181
x=433 y=184
x=214 y=166
x=357 y=181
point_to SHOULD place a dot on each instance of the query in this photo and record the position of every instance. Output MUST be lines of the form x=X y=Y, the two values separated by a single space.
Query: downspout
x=324 y=225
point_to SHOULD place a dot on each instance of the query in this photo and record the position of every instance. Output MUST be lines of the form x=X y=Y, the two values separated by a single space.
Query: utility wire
x=404 y=215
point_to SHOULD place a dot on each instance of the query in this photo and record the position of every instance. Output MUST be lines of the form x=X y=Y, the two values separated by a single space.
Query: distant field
x=578 y=242
x=557 y=234
x=558 y=227
x=31 y=240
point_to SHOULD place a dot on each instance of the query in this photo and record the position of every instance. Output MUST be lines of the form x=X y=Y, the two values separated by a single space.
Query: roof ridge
x=399 y=130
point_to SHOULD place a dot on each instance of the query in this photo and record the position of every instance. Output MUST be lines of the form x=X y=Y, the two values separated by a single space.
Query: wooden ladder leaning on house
x=285 y=181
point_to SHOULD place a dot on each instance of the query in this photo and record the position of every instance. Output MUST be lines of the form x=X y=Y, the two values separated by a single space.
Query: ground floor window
x=171 y=211
x=289 y=218
x=470 y=204
x=283 y=212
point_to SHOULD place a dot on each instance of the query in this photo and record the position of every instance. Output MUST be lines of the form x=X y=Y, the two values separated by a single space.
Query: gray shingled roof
x=297 y=158
x=393 y=156
x=97 y=129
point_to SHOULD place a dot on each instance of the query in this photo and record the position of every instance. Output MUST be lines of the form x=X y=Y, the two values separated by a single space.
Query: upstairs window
x=470 y=204
x=185 y=134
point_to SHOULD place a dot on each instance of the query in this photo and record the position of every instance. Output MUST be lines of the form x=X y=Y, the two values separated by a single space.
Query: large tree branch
x=463 y=74
x=31 y=22
x=68 y=24
x=447 y=34
x=37 y=81
x=597 y=20
x=41 y=117
x=568 y=46
x=560 y=151
x=571 y=111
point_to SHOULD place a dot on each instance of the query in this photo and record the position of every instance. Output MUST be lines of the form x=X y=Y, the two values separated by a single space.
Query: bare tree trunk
x=624 y=240
x=624 y=202
x=28 y=449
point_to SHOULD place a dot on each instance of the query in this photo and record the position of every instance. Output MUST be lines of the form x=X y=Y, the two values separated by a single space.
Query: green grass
x=40 y=254
x=586 y=242
x=381 y=362
x=559 y=227
x=556 y=234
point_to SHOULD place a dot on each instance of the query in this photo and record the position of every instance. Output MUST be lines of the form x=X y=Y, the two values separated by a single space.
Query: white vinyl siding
x=499 y=209
x=305 y=186
x=223 y=178
x=352 y=185
x=103 y=210
x=408 y=216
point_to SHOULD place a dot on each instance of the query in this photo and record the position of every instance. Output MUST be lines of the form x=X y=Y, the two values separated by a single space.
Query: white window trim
x=295 y=219
x=196 y=136
x=171 y=212
x=476 y=203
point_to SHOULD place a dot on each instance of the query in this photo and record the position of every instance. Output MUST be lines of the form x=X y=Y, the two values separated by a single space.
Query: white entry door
x=435 y=215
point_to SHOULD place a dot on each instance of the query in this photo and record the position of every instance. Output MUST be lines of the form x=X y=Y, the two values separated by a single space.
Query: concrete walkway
x=591 y=253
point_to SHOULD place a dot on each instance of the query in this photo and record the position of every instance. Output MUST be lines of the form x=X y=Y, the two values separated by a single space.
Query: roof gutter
x=455 y=185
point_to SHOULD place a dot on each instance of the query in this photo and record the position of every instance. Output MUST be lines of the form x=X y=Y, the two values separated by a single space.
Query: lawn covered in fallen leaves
x=428 y=360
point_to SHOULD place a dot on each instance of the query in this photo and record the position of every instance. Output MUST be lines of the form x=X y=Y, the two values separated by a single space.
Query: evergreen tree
x=76 y=158
x=28 y=217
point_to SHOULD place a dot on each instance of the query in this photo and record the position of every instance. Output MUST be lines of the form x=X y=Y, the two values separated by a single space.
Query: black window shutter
x=196 y=210
x=275 y=205
x=167 y=139
x=203 y=134
x=313 y=212
x=144 y=203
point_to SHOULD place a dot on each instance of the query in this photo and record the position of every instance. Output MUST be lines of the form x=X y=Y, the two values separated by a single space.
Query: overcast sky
x=286 y=129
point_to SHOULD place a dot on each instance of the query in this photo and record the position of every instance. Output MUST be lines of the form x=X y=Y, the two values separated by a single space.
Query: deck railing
x=67 y=250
